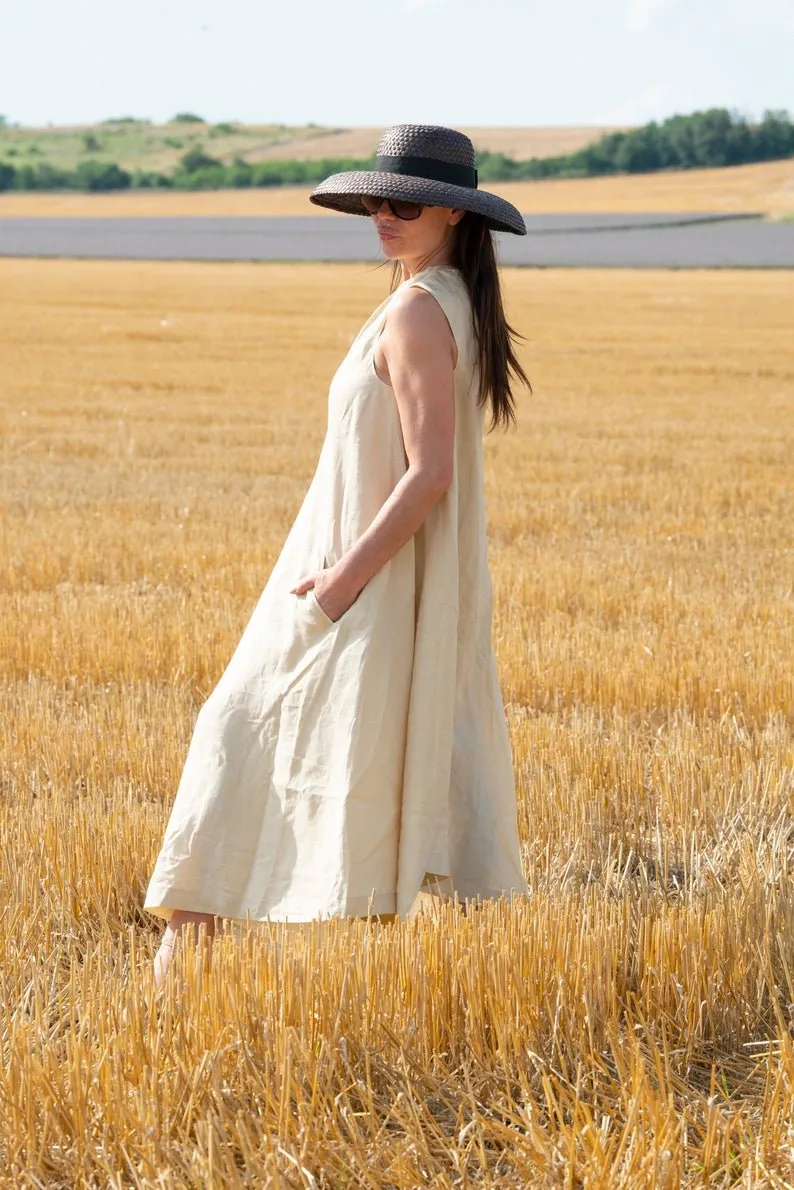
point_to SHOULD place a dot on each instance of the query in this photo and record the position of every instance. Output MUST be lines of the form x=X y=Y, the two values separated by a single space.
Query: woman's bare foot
x=179 y=919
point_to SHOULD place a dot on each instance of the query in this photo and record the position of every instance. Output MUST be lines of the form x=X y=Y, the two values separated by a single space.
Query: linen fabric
x=338 y=768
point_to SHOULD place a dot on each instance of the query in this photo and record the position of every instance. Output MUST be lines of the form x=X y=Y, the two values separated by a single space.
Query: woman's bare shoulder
x=417 y=316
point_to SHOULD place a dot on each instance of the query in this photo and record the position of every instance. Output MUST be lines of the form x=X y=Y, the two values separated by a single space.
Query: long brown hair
x=473 y=255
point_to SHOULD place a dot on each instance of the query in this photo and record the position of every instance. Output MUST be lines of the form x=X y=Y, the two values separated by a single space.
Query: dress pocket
x=310 y=604
x=314 y=608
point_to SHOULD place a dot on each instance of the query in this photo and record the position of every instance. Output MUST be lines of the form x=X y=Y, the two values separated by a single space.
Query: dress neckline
x=428 y=268
x=382 y=306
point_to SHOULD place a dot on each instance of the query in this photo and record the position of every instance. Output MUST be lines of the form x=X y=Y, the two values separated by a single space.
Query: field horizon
x=763 y=187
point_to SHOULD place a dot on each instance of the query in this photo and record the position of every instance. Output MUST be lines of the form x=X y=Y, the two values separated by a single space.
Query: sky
x=352 y=63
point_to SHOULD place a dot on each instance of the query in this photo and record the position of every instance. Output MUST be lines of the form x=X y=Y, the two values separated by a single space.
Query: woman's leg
x=179 y=919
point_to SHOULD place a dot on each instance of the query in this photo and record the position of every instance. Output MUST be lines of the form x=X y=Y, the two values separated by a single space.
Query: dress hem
x=163 y=905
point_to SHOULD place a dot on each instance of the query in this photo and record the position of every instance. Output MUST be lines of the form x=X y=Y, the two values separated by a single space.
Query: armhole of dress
x=379 y=331
x=373 y=347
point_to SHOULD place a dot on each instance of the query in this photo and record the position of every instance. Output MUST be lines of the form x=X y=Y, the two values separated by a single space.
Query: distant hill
x=189 y=154
x=140 y=145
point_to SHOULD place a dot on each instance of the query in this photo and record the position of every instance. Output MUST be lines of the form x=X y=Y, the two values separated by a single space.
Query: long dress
x=338 y=768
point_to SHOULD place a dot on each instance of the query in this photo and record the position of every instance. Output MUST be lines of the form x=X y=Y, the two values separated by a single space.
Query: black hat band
x=429 y=167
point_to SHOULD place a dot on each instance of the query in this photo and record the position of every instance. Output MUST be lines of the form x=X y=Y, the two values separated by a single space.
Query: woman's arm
x=418 y=347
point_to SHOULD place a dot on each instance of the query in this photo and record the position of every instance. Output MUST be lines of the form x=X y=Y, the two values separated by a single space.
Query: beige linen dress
x=336 y=764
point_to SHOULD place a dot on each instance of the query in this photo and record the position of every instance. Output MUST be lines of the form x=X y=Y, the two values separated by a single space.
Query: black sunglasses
x=399 y=207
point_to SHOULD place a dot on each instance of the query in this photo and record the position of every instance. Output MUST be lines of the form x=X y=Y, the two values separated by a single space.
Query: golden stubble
x=628 y=1025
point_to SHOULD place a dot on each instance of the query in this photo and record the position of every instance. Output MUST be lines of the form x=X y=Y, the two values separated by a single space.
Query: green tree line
x=716 y=137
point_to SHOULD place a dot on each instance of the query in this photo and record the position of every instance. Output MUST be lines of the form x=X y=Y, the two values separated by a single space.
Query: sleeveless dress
x=338 y=768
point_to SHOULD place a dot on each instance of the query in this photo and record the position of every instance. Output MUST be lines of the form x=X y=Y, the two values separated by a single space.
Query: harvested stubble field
x=630 y=1024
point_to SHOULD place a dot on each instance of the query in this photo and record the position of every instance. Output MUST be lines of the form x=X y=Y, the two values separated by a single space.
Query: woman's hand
x=333 y=597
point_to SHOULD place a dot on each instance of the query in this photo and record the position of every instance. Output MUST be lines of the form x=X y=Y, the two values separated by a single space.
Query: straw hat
x=423 y=163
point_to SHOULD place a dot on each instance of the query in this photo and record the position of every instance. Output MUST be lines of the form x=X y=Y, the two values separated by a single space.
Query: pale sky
x=380 y=62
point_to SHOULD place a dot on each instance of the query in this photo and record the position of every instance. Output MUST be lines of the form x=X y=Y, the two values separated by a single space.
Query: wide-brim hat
x=425 y=163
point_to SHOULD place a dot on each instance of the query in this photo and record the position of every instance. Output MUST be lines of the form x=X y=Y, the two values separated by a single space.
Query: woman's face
x=427 y=236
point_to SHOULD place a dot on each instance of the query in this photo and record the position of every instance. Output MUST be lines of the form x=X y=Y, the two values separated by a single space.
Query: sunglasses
x=399 y=207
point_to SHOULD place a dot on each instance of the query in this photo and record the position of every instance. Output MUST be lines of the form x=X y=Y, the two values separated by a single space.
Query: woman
x=355 y=751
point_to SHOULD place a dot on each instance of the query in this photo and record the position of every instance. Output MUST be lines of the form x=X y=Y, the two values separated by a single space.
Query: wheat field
x=520 y=143
x=628 y=1025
